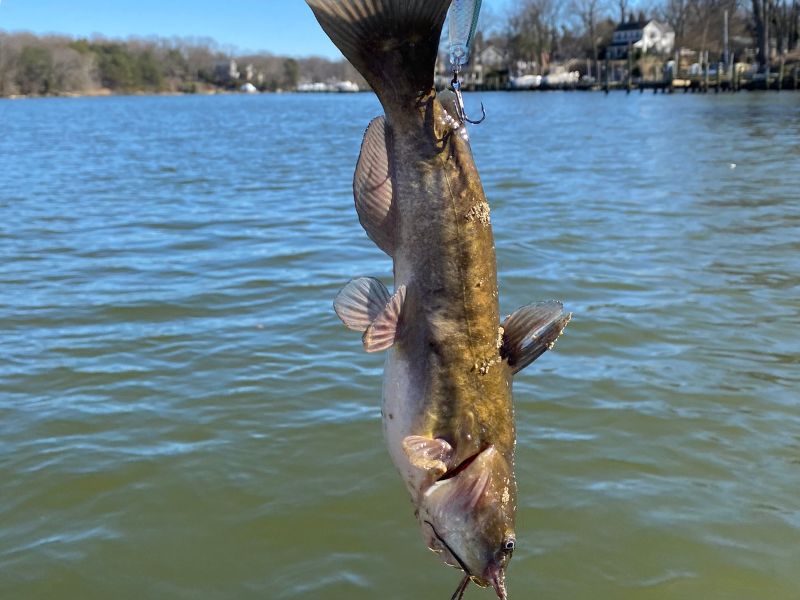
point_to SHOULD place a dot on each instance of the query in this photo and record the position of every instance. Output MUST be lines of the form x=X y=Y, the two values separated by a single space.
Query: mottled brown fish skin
x=445 y=256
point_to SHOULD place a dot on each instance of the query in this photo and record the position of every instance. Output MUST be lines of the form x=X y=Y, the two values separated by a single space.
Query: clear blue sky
x=278 y=26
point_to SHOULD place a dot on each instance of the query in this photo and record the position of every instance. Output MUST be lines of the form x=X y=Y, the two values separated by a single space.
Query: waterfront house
x=226 y=72
x=647 y=36
x=491 y=57
x=486 y=70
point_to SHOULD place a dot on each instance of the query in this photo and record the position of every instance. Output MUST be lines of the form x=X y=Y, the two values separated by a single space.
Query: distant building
x=647 y=36
x=491 y=57
x=486 y=70
x=226 y=71
x=249 y=72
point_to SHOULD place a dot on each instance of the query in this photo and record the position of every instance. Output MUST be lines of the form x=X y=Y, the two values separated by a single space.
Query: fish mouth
x=460 y=562
x=496 y=576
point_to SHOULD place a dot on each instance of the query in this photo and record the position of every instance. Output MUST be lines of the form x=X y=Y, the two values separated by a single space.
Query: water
x=183 y=416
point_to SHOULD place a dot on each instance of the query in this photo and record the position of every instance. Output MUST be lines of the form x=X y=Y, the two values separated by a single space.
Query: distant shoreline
x=105 y=93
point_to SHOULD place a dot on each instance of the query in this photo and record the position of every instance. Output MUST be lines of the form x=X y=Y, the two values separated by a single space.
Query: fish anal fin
x=360 y=302
x=429 y=454
x=372 y=186
x=531 y=331
x=382 y=332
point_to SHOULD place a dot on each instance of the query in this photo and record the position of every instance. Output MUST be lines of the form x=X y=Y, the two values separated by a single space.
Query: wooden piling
x=780 y=74
x=795 y=78
x=718 y=86
x=630 y=69
x=606 y=75
x=673 y=73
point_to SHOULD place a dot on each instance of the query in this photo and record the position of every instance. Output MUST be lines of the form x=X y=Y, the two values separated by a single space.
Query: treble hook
x=455 y=85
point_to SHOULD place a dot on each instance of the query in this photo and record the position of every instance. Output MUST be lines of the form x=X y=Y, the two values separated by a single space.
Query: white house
x=226 y=71
x=648 y=36
x=484 y=61
x=491 y=57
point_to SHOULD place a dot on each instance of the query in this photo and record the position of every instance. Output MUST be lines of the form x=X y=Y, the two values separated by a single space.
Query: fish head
x=468 y=517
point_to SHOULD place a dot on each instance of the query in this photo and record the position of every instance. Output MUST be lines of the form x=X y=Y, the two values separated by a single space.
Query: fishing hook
x=455 y=85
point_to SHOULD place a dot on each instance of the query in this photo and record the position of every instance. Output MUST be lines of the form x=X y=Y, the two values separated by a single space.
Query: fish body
x=447 y=406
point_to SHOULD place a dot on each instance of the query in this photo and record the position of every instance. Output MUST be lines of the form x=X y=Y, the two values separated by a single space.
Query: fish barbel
x=447 y=410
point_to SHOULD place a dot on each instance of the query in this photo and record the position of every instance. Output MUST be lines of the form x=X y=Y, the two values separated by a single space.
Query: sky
x=284 y=27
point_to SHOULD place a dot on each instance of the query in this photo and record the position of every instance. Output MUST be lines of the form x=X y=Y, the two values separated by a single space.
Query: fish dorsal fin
x=382 y=332
x=372 y=187
x=360 y=302
x=531 y=331
x=428 y=454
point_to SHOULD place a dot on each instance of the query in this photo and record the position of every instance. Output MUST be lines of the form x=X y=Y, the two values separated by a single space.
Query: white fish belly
x=399 y=415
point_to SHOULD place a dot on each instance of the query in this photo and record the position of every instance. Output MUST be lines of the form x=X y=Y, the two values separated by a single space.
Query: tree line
x=54 y=64
x=542 y=31
x=531 y=32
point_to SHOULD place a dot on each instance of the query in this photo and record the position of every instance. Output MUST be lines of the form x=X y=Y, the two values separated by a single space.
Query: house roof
x=664 y=27
x=635 y=25
x=492 y=48
x=631 y=25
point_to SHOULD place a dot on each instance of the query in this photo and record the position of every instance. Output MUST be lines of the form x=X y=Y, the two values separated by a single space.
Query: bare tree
x=73 y=71
x=707 y=21
x=762 y=11
x=590 y=13
x=676 y=13
x=8 y=60
x=531 y=30
x=794 y=30
x=623 y=10
x=786 y=23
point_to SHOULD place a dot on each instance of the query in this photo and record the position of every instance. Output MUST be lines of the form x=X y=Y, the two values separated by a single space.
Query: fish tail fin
x=392 y=43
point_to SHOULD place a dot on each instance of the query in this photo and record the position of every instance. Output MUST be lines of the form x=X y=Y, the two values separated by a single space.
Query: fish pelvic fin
x=365 y=305
x=372 y=187
x=392 y=43
x=382 y=332
x=531 y=331
x=429 y=454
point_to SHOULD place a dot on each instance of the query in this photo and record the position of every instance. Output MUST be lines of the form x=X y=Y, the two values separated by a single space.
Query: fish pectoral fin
x=382 y=332
x=428 y=454
x=360 y=302
x=531 y=331
x=372 y=187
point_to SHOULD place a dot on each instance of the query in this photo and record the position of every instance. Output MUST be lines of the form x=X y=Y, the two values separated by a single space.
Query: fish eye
x=508 y=545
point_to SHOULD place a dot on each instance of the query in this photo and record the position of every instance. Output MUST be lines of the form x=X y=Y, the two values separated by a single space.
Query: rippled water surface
x=183 y=416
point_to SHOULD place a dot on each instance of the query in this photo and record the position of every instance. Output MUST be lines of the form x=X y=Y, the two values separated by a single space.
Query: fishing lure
x=463 y=17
